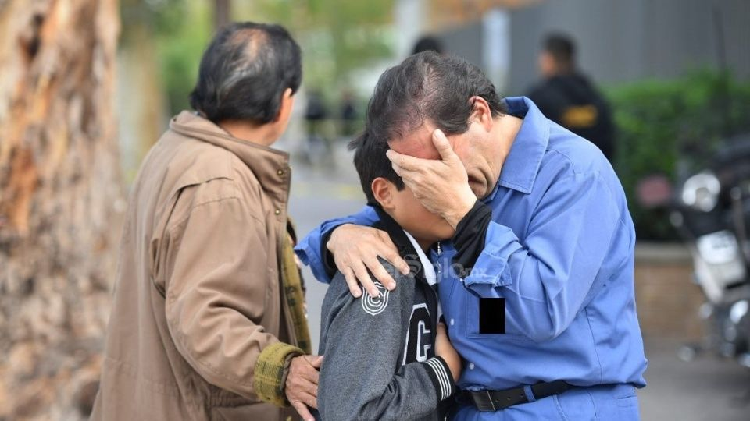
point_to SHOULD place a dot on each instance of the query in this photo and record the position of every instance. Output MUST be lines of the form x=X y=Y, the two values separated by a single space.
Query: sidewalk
x=324 y=174
x=706 y=389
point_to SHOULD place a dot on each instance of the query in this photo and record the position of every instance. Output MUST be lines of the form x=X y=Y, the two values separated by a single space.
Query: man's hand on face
x=442 y=186
x=301 y=386
x=356 y=249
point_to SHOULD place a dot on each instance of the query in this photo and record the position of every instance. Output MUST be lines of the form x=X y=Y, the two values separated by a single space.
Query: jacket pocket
x=627 y=399
x=575 y=406
x=492 y=313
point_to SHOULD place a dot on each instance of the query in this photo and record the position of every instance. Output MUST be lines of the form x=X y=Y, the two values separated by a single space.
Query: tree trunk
x=222 y=13
x=60 y=202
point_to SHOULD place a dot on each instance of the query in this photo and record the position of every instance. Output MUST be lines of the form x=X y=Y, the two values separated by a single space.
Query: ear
x=481 y=112
x=382 y=190
x=285 y=108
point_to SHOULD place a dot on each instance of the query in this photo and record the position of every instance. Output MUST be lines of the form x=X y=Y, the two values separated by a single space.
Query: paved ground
x=706 y=389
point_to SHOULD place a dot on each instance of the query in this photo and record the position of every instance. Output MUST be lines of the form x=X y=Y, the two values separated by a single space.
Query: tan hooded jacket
x=201 y=327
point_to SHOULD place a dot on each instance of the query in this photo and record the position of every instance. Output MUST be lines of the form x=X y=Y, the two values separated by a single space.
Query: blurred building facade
x=619 y=41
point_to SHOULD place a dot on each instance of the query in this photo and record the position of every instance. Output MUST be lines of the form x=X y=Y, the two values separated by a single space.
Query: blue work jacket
x=560 y=251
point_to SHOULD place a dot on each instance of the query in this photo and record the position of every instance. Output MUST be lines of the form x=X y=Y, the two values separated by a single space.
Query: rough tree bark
x=60 y=202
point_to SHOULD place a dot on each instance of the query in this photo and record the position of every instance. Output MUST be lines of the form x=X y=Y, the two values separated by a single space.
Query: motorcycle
x=711 y=211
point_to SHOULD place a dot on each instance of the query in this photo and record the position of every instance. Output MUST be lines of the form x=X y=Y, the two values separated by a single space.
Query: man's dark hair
x=371 y=162
x=562 y=48
x=427 y=87
x=428 y=43
x=245 y=71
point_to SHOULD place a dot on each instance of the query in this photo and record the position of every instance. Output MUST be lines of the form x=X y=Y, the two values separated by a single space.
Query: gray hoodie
x=379 y=361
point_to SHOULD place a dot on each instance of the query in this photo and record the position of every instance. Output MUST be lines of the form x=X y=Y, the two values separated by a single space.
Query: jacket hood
x=270 y=166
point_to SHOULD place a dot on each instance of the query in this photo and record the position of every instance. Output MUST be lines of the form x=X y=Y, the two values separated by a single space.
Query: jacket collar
x=429 y=270
x=522 y=164
x=270 y=166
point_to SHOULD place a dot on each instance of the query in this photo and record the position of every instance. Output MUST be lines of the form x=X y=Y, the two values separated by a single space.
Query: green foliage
x=179 y=30
x=180 y=54
x=161 y=17
x=663 y=124
x=336 y=36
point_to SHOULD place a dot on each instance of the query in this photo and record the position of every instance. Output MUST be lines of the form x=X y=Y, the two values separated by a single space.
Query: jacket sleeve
x=216 y=282
x=311 y=249
x=546 y=279
x=362 y=377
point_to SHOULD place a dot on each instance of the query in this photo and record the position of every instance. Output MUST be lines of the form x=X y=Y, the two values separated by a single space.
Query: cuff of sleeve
x=309 y=257
x=491 y=269
x=302 y=252
x=441 y=377
x=326 y=256
x=270 y=372
x=481 y=214
x=469 y=238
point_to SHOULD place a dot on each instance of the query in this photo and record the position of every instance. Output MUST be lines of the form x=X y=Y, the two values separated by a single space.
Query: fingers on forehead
x=411 y=161
x=422 y=146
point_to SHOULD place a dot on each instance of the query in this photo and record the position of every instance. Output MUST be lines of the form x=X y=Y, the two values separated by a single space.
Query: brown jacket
x=200 y=327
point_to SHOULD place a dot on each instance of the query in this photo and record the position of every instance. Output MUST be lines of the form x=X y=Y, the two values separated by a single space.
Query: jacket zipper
x=439 y=251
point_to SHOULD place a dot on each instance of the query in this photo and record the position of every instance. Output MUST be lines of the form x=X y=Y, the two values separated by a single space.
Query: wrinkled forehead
x=418 y=143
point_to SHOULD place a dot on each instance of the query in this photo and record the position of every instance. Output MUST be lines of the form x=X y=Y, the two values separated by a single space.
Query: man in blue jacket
x=536 y=284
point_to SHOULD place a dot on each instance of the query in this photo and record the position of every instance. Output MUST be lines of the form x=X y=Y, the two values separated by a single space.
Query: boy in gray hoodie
x=388 y=357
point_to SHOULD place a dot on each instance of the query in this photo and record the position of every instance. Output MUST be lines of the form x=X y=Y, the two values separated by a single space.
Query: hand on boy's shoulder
x=370 y=304
x=358 y=251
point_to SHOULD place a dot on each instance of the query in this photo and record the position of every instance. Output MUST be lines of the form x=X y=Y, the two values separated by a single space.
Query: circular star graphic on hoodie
x=375 y=305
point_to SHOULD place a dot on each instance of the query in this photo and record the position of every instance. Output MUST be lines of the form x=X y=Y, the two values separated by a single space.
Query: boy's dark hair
x=245 y=71
x=371 y=162
x=562 y=49
x=427 y=87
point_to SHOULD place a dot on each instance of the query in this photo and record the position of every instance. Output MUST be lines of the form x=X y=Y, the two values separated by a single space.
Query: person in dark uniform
x=567 y=97
x=428 y=43
x=348 y=114
x=316 y=114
